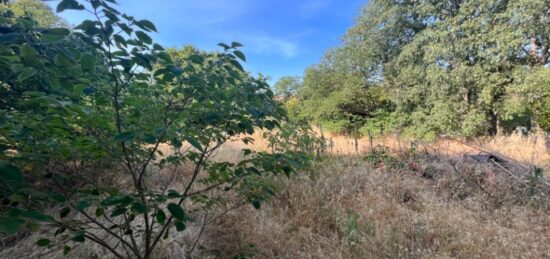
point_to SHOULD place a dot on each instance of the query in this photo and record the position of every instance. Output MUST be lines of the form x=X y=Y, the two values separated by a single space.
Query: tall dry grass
x=424 y=202
x=528 y=149
x=346 y=208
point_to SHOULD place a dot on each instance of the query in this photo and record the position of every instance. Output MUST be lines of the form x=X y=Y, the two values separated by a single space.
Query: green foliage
x=40 y=11
x=380 y=156
x=296 y=135
x=536 y=85
x=84 y=106
x=382 y=122
x=288 y=86
x=336 y=95
x=461 y=67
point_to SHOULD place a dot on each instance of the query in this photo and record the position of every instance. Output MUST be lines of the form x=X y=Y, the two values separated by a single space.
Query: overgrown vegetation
x=425 y=68
x=85 y=106
x=430 y=206
x=113 y=146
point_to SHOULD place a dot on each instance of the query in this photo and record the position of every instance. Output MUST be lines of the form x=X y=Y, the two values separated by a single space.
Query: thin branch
x=200 y=233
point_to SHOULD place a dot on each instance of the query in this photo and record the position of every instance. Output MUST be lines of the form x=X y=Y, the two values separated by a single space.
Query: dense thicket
x=427 y=67
x=81 y=107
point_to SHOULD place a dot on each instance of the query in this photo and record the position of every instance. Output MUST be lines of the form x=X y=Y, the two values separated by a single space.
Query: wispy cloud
x=311 y=8
x=281 y=37
x=270 y=45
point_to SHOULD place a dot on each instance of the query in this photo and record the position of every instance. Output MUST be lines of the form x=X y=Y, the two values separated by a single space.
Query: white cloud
x=270 y=45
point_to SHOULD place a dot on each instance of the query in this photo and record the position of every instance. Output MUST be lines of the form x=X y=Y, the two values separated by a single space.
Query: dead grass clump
x=493 y=188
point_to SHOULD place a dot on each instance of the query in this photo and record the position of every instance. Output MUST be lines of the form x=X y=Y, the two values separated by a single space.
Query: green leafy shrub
x=83 y=107
x=380 y=156
x=295 y=135
x=382 y=122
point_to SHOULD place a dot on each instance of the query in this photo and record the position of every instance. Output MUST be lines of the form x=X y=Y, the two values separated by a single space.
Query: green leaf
x=176 y=211
x=177 y=70
x=164 y=56
x=58 y=197
x=117 y=212
x=139 y=207
x=82 y=205
x=88 y=27
x=180 y=226
x=69 y=4
x=59 y=231
x=146 y=25
x=142 y=36
x=49 y=38
x=111 y=16
x=257 y=204
x=28 y=51
x=26 y=74
x=79 y=238
x=120 y=40
x=55 y=34
x=197 y=59
x=224 y=46
x=157 y=47
x=194 y=143
x=240 y=55
x=10 y=226
x=236 y=44
x=125 y=136
x=116 y=200
x=43 y=242
x=99 y=212
x=64 y=212
x=57 y=31
x=237 y=64
x=11 y=175
x=173 y=194
x=66 y=250
x=8 y=37
x=88 y=62
x=211 y=117
x=176 y=143
x=62 y=60
x=161 y=216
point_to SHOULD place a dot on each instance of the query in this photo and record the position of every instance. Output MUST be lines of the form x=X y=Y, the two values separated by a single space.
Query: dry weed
x=350 y=209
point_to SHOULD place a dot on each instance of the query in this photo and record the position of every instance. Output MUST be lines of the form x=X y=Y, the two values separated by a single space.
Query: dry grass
x=349 y=209
x=430 y=203
x=529 y=149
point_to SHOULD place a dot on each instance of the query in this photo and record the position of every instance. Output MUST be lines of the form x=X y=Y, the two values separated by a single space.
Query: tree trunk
x=538 y=51
x=493 y=123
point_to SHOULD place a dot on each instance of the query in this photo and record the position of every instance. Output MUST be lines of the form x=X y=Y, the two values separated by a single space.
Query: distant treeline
x=426 y=67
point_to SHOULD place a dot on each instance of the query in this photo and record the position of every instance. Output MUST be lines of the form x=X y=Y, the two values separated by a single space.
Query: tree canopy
x=436 y=67
x=40 y=11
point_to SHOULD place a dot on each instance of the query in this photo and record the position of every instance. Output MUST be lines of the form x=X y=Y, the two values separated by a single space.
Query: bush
x=295 y=135
x=102 y=101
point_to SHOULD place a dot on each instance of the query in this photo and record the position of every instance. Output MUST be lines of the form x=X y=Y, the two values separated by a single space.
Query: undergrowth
x=400 y=205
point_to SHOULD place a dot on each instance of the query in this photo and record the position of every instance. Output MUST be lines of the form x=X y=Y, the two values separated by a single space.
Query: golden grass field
x=349 y=208
x=429 y=202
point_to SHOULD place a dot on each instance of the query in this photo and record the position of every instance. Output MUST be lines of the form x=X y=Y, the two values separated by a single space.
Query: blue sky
x=281 y=37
